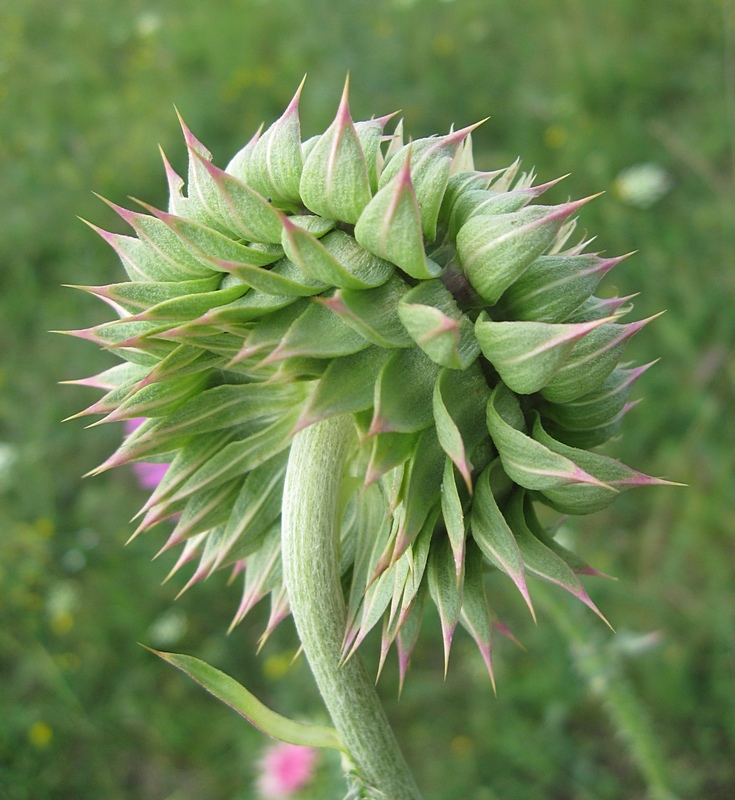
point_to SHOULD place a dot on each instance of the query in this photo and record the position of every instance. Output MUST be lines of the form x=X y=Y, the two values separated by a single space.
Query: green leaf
x=204 y=202
x=347 y=386
x=388 y=451
x=371 y=532
x=453 y=516
x=158 y=399
x=136 y=296
x=123 y=333
x=591 y=361
x=164 y=244
x=446 y=590
x=317 y=226
x=494 y=537
x=226 y=406
x=458 y=402
x=408 y=633
x=269 y=332
x=188 y=460
x=577 y=564
x=334 y=181
x=588 y=499
x=263 y=572
x=205 y=510
x=230 y=692
x=433 y=320
x=257 y=507
x=241 y=456
x=598 y=407
x=475 y=614
x=370 y=133
x=251 y=306
x=496 y=250
x=422 y=492
x=273 y=165
x=246 y=211
x=214 y=249
x=373 y=313
x=457 y=185
x=282 y=278
x=541 y=560
x=526 y=461
x=403 y=393
x=390 y=227
x=317 y=333
x=554 y=286
x=430 y=164
x=336 y=259
x=139 y=259
x=479 y=202
x=183 y=309
x=527 y=355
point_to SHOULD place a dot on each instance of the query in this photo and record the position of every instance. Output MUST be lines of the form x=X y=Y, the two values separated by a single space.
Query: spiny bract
x=437 y=305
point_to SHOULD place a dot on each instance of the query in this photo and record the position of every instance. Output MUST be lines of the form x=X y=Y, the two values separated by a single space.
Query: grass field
x=591 y=88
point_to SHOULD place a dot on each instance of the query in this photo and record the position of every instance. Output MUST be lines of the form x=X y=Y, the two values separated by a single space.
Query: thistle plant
x=368 y=365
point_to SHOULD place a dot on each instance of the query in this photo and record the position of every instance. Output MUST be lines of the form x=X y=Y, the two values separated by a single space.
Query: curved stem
x=310 y=551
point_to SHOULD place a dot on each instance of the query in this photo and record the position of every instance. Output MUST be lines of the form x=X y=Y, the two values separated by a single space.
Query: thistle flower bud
x=436 y=305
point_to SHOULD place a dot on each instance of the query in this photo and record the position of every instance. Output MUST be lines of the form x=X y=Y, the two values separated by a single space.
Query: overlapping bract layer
x=355 y=274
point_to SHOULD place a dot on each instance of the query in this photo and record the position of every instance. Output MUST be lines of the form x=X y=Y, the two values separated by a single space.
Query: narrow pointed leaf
x=165 y=244
x=586 y=500
x=433 y=320
x=215 y=250
x=422 y=494
x=430 y=162
x=453 y=516
x=136 y=296
x=554 y=286
x=591 y=361
x=256 y=508
x=475 y=614
x=496 y=250
x=446 y=591
x=403 y=393
x=599 y=406
x=495 y=538
x=526 y=461
x=374 y=312
x=539 y=559
x=335 y=182
x=336 y=259
x=459 y=183
x=484 y=203
x=273 y=166
x=318 y=333
x=282 y=278
x=574 y=561
x=348 y=385
x=246 y=211
x=527 y=355
x=390 y=227
x=229 y=691
x=239 y=457
x=458 y=403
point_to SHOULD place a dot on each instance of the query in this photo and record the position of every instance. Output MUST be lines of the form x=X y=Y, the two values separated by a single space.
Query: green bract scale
x=440 y=307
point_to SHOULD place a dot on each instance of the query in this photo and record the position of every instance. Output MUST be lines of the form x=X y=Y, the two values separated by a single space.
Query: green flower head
x=442 y=308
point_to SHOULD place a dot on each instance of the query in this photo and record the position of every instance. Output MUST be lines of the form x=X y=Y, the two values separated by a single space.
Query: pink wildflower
x=149 y=475
x=284 y=769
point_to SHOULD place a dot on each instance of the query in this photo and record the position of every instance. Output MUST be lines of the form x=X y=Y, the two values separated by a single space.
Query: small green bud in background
x=438 y=306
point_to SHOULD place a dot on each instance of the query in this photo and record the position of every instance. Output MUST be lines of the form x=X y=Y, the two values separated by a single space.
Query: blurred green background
x=587 y=87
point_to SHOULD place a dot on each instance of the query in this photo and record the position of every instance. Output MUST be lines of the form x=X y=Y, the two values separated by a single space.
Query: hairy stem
x=310 y=549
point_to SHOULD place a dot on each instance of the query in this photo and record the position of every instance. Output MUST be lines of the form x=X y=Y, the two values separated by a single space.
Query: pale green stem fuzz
x=310 y=551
